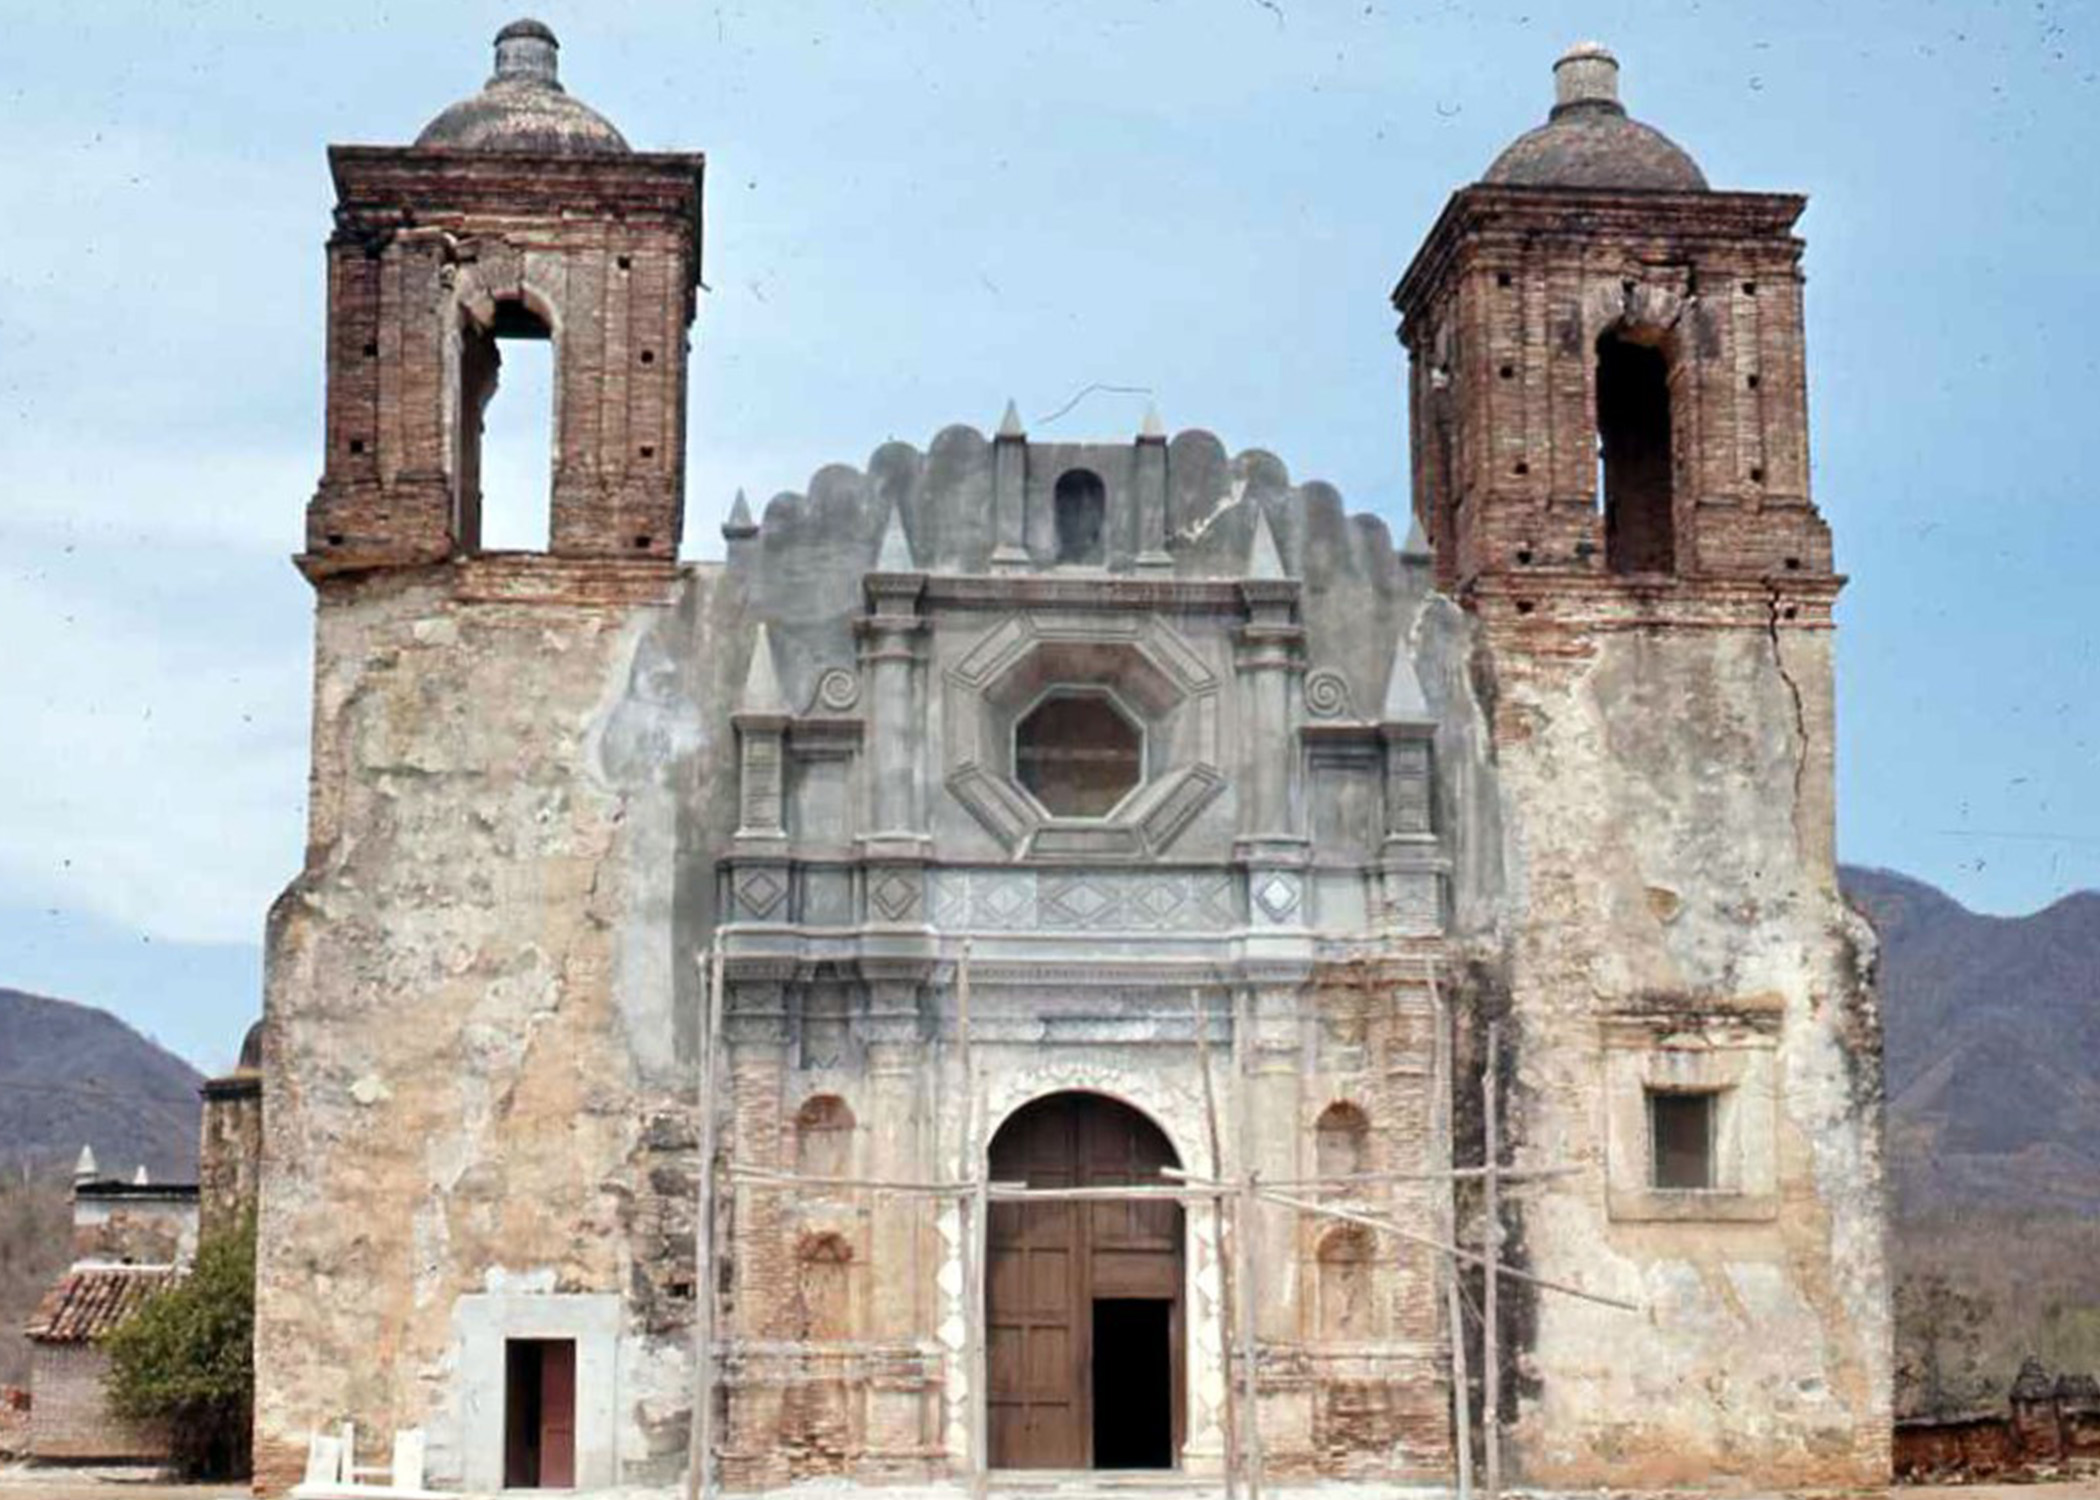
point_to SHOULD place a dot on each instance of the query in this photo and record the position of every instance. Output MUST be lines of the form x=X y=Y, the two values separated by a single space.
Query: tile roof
x=89 y=1301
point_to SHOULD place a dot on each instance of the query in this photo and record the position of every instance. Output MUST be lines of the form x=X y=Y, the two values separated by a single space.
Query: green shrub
x=187 y=1358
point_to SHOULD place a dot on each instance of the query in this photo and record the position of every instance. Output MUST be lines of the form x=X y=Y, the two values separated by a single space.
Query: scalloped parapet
x=803 y=565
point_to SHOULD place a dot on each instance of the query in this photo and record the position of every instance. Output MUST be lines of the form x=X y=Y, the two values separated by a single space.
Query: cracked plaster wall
x=1669 y=822
x=476 y=1066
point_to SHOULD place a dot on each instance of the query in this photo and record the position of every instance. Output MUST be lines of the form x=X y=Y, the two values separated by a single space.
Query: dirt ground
x=23 y=1482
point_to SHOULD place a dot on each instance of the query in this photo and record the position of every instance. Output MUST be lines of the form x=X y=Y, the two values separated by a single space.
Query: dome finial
x=1590 y=141
x=523 y=107
x=526 y=52
x=1587 y=74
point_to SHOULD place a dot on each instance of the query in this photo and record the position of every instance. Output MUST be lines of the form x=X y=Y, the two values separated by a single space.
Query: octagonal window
x=1078 y=754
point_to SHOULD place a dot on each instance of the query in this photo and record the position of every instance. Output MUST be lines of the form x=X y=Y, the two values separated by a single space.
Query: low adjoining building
x=131 y=1239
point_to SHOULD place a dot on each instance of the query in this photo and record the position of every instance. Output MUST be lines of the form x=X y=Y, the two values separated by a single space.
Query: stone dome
x=1589 y=141
x=523 y=106
x=251 y=1050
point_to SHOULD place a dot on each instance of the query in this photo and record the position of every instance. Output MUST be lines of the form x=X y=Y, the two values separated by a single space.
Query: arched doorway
x=1083 y=1300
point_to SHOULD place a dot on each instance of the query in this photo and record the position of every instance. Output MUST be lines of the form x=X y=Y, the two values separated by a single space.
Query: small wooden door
x=1049 y=1264
x=539 y=1416
x=558 y=1414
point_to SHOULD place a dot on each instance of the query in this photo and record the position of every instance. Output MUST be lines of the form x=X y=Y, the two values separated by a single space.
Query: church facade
x=741 y=988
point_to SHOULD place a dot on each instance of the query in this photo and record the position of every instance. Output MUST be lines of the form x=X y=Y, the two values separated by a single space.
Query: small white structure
x=332 y=1471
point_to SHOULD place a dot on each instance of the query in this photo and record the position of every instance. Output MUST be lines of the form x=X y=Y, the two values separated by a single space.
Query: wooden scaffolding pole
x=976 y=1241
x=1243 y=1233
x=764 y=1178
x=1459 y=1252
x=700 y=1467
x=1491 y=1246
x=1441 y=1058
x=1226 y=1282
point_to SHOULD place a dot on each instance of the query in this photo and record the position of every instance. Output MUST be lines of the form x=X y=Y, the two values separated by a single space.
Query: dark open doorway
x=1133 y=1383
x=539 y=1414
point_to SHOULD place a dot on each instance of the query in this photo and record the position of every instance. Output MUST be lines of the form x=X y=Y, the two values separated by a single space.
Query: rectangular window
x=539 y=1414
x=1681 y=1128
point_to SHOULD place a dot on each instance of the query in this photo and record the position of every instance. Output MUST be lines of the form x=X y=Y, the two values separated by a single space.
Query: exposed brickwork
x=71 y=1418
x=2048 y=1423
x=1501 y=313
x=429 y=248
x=229 y=1158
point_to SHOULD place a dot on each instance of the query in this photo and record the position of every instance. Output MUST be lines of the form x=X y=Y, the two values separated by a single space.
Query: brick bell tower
x=519 y=213
x=1607 y=388
x=1609 y=421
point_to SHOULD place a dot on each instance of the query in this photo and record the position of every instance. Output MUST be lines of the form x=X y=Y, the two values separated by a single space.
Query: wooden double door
x=1084 y=1302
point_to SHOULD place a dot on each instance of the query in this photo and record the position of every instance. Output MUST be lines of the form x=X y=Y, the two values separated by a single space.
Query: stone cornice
x=1540 y=599
x=396 y=186
x=1007 y=591
x=1589 y=218
x=511 y=578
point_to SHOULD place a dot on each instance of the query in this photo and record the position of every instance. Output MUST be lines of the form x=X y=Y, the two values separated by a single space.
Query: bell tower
x=518 y=213
x=1610 y=456
x=1607 y=384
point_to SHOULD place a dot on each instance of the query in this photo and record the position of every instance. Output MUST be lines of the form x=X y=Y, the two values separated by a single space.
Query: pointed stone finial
x=1404 y=703
x=762 y=694
x=139 y=1178
x=1416 y=547
x=1152 y=429
x=739 y=527
x=1010 y=425
x=894 y=555
x=1264 y=560
x=85 y=1170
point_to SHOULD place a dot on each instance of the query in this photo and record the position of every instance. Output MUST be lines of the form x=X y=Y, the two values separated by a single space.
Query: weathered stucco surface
x=470 y=1004
x=1670 y=875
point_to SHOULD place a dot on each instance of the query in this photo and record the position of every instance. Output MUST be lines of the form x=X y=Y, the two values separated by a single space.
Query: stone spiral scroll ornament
x=1327 y=695
x=838 y=690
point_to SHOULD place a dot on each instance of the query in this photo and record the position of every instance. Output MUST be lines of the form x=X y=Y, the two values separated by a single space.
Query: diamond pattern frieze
x=894 y=894
x=1277 y=894
x=1081 y=901
x=1114 y=900
x=760 y=892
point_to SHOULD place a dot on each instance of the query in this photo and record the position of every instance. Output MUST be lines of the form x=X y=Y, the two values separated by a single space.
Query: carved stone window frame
x=1157 y=679
x=1731 y=1055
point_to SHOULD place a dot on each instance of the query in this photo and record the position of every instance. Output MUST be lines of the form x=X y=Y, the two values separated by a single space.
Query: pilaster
x=896 y=847
x=1269 y=657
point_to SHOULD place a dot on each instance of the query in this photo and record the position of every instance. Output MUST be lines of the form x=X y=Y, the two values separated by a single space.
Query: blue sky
x=918 y=210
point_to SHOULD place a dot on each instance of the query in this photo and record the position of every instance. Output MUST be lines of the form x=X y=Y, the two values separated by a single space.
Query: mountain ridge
x=1991 y=1034
x=74 y=1075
